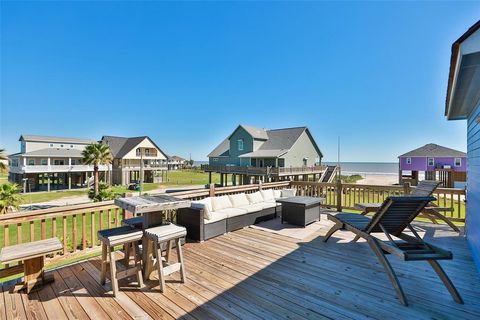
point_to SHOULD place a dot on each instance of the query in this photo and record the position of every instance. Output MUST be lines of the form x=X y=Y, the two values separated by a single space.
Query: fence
x=77 y=225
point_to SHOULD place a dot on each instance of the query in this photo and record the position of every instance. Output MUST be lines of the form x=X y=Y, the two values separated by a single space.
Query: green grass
x=351 y=179
x=35 y=197
x=191 y=177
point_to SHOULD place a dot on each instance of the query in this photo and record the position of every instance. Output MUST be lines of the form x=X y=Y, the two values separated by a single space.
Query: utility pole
x=141 y=170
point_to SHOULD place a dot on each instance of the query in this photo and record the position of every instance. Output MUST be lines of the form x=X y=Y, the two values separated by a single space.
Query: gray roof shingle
x=434 y=150
x=120 y=146
x=36 y=138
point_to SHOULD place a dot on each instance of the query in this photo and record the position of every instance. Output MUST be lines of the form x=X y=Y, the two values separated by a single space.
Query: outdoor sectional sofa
x=214 y=216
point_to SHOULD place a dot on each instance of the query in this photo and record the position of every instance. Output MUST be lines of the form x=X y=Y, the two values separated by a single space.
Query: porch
x=251 y=273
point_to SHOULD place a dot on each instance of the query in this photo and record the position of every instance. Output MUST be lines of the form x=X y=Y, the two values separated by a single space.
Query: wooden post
x=259 y=184
x=339 y=195
x=212 y=190
x=406 y=188
x=210 y=177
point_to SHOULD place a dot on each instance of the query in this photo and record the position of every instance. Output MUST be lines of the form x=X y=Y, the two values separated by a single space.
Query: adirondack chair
x=425 y=188
x=393 y=217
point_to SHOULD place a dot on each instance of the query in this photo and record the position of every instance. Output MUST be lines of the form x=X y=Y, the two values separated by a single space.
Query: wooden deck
x=252 y=274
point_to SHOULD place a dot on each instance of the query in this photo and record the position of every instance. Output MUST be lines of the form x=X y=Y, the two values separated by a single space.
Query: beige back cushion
x=287 y=193
x=268 y=194
x=222 y=202
x=205 y=205
x=239 y=200
x=277 y=193
x=255 y=197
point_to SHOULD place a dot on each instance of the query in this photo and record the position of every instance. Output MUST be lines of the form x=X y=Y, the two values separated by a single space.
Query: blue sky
x=187 y=74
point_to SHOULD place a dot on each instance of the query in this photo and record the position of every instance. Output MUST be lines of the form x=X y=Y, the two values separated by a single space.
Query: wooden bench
x=32 y=255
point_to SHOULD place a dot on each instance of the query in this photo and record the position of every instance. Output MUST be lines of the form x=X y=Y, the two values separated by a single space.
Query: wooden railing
x=264 y=170
x=344 y=196
x=77 y=225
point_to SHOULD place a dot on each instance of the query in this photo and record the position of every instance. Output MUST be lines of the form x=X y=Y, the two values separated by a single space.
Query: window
x=215 y=159
x=61 y=146
x=51 y=145
x=409 y=160
x=240 y=144
x=458 y=162
x=23 y=147
x=305 y=161
x=58 y=162
x=430 y=162
x=31 y=162
x=71 y=146
x=73 y=162
x=44 y=162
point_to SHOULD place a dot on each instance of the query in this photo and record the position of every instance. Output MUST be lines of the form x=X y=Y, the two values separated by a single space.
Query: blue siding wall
x=473 y=185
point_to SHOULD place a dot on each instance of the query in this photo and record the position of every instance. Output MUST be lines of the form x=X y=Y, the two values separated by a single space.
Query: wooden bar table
x=152 y=208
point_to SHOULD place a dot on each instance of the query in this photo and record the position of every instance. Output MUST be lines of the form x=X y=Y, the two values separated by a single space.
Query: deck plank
x=252 y=273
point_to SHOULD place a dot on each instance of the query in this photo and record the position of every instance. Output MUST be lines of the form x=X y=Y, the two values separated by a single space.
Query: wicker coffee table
x=301 y=211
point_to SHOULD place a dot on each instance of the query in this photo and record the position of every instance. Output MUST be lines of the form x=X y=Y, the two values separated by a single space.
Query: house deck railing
x=77 y=225
x=265 y=171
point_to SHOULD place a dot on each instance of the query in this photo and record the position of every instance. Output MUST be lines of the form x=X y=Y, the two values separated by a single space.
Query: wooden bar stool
x=166 y=235
x=110 y=238
x=137 y=223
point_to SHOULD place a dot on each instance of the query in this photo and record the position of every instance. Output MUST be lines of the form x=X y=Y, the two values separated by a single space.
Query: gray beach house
x=251 y=153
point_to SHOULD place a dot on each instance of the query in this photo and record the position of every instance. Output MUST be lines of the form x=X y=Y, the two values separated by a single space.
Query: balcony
x=262 y=171
x=56 y=168
x=145 y=167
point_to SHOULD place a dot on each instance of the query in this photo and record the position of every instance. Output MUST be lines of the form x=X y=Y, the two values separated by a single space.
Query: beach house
x=47 y=163
x=176 y=163
x=463 y=103
x=436 y=162
x=131 y=155
x=269 y=155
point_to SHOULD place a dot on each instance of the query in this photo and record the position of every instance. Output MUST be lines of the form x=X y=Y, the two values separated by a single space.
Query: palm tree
x=97 y=154
x=3 y=156
x=9 y=197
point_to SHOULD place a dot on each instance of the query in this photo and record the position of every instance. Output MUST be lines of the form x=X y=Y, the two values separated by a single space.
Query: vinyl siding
x=303 y=148
x=473 y=184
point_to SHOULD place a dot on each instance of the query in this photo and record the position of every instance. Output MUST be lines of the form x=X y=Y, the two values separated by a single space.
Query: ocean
x=362 y=168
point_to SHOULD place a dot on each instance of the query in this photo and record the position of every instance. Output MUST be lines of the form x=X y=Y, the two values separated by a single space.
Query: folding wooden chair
x=393 y=217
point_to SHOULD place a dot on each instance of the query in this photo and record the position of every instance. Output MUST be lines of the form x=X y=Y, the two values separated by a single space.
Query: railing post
x=212 y=190
x=406 y=188
x=259 y=185
x=339 y=195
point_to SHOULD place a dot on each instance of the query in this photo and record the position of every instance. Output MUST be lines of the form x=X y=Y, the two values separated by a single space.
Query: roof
x=176 y=158
x=434 y=150
x=278 y=142
x=256 y=133
x=120 y=146
x=454 y=59
x=52 y=152
x=264 y=154
x=222 y=150
x=35 y=138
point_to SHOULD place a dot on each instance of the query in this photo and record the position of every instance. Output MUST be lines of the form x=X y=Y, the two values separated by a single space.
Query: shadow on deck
x=251 y=274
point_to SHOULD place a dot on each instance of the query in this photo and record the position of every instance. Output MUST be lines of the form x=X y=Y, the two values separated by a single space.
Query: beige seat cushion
x=267 y=194
x=239 y=200
x=233 y=212
x=252 y=207
x=205 y=205
x=255 y=197
x=268 y=204
x=222 y=202
x=215 y=216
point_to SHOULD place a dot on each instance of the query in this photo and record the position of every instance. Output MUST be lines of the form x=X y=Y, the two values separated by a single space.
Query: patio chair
x=432 y=211
x=393 y=217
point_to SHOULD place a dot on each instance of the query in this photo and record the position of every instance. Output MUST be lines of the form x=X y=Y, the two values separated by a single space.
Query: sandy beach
x=378 y=179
